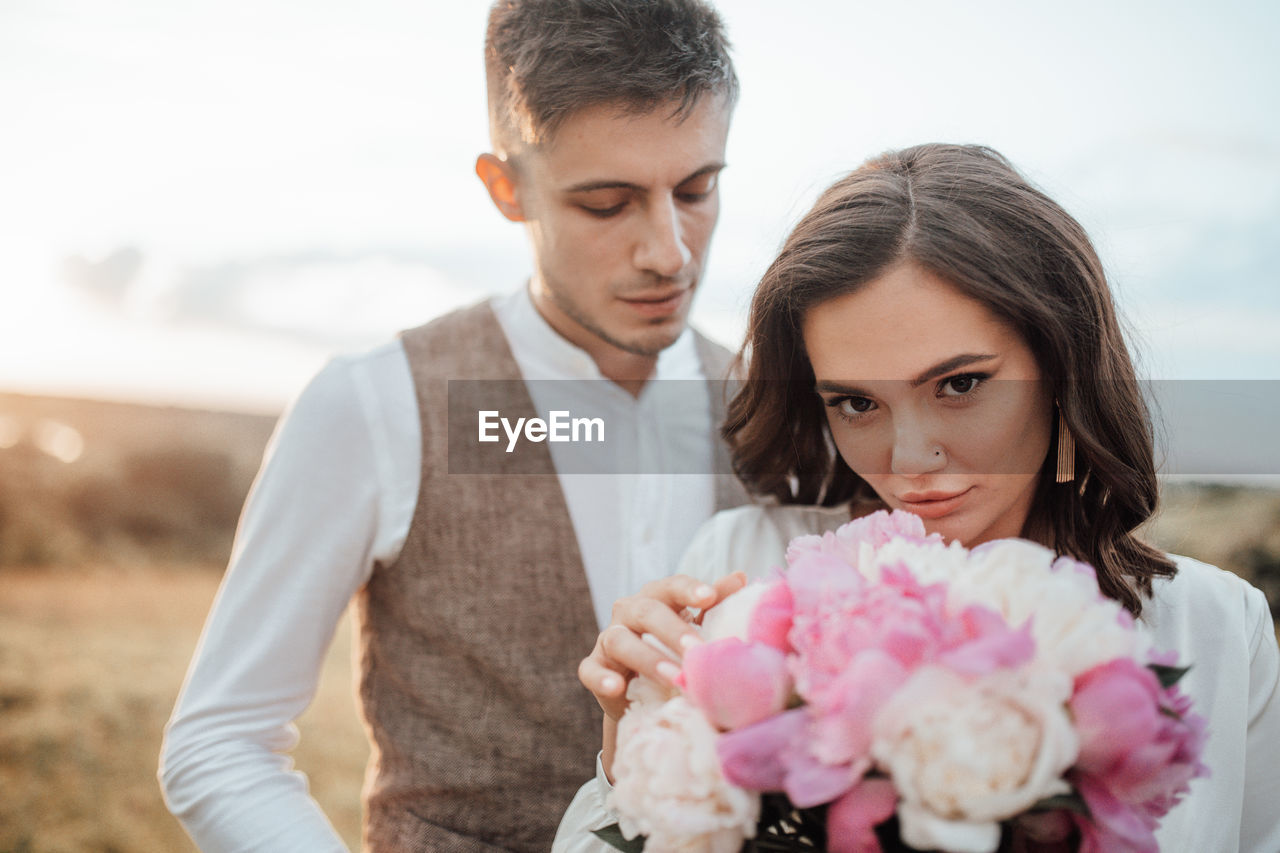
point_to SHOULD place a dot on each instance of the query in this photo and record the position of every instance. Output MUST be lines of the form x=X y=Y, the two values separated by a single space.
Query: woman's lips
x=934 y=504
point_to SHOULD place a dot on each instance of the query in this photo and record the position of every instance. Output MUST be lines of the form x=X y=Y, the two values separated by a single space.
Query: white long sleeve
x=587 y=812
x=326 y=505
x=335 y=497
x=1259 y=820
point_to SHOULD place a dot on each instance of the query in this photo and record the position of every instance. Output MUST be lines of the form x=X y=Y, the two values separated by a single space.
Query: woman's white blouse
x=1215 y=621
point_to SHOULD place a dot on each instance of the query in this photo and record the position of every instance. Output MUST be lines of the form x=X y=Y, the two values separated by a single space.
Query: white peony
x=929 y=562
x=731 y=617
x=643 y=690
x=1074 y=626
x=966 y=754
x=668 y=785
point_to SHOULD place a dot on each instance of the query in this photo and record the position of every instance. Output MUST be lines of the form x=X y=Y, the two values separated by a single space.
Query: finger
x=641 y=614
x=728 y=585
x=626 y=650
x=680 y=591
x=724 y=587
x=603 y=677
x=608 y=687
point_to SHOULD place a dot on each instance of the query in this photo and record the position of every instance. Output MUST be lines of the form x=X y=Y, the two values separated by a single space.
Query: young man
x=477 y=595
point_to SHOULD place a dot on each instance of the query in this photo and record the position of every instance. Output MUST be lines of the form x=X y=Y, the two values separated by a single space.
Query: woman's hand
x=620 y=652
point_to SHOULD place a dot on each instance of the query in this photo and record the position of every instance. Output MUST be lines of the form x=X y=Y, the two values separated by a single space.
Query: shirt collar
x=542 y=353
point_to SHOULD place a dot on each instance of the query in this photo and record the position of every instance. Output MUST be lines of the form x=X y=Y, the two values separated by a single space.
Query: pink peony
x=1111 y=826
x=771 y=620
x=1139 y=750
x=822 y=581
x=852 y=819
x=755 y=757
x=845 y=712
x=978 y=641
x=838 y=618
x=773 y=755
x=736 y=683
x=874 y=530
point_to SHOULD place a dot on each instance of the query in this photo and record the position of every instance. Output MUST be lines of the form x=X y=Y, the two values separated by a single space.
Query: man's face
x=620 y=210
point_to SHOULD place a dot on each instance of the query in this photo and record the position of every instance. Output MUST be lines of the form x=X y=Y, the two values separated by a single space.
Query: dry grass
x=90 y=665
x=1232 y=527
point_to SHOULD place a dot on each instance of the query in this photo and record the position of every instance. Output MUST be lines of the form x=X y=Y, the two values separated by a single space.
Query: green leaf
x=1072 y=802
x=1168 y=675
x=612 y=835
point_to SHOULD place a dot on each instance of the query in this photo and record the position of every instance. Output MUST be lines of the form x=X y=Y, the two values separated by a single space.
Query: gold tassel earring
x=1066 y=451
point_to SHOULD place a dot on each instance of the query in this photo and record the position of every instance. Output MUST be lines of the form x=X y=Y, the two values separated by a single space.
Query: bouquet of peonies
x=888 y=690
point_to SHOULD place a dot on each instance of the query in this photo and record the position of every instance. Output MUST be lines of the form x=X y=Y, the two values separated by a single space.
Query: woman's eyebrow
x=834 y=387
x=939 y=369
x=949 y=365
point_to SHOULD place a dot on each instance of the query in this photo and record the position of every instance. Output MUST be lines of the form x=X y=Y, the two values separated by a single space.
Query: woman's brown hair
x=965 y=214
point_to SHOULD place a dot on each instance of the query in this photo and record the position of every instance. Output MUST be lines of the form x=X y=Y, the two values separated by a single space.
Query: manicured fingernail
x=703 y=591
x=659 y=645
x=668 y=670
x=611 y=683
x=688 y=641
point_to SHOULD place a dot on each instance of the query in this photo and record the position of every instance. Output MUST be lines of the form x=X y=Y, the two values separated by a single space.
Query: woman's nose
x=916 y=451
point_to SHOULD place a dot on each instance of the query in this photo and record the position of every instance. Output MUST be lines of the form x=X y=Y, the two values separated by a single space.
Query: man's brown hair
x=547 y=59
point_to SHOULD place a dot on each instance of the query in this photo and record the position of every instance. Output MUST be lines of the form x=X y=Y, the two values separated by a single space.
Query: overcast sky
x=201 y=201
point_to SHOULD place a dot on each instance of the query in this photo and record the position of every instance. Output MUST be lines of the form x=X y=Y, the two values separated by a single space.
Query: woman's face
x=934 y=401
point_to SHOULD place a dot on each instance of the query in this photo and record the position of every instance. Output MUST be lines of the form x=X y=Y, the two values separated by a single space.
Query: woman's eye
x=959 y=386
x=851 y=407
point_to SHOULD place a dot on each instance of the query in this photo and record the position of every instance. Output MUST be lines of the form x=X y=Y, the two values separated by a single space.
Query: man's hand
x=620 y=652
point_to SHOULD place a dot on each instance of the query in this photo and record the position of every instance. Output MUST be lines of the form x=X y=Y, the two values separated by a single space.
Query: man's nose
x=661 y=248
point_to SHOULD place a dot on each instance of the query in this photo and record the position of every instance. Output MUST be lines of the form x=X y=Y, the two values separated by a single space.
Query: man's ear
x=499 y=179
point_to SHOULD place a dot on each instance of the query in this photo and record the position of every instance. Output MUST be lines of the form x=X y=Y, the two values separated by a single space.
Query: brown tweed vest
x=470 y=640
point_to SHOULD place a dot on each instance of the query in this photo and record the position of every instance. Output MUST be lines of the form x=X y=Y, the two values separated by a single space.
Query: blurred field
x=84 y=482
x=115 y=524
x=91 y=660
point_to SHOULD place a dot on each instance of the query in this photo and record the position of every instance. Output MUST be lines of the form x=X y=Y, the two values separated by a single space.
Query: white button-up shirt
x=335 y=497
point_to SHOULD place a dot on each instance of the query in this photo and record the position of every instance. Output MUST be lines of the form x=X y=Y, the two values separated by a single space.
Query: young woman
x=938 y=336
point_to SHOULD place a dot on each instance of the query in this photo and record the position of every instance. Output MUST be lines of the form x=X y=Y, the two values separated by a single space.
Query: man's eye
x=697 y=189
x=603 y=212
